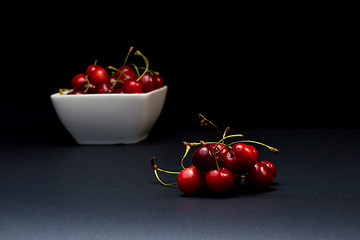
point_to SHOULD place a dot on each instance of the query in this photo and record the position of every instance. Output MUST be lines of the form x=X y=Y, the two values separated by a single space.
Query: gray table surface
x=59 y=190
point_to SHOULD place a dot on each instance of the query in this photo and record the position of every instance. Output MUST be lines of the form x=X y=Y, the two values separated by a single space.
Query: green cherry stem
x=217 y=144
x=272 y=149
x=127 y=56
x=135 y=67
x=88 y=82
x=194 y=144
x=226 y=131
x=152 y=72
x=165 y=184
x=156 y=169
x=116 y=69
x=61 y=90
x=186 y=152
x=146 y=64
x=166 y=171
x=118 y=79
x=204 y=120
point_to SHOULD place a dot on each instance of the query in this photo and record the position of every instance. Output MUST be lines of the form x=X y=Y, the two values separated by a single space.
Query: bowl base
x=105 y=142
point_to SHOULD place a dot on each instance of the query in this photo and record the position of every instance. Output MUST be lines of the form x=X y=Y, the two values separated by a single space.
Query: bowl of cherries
x=120 y=107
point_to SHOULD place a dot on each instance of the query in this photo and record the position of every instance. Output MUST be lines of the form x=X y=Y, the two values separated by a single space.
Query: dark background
x=259 y=67
x=256 y=69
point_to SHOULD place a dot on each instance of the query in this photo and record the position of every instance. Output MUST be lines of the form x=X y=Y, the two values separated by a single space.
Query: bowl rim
x=108 y=95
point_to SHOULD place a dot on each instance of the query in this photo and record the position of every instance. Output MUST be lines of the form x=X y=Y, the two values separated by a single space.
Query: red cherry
x=242 y=159
x=126 y=72
x=271 y=166
x=219 y=181
x=91 y=89
x=98 y=75
x=78 y=80
x=90 y=69
x=203 y=157
x=114 y=81
x=104 y=88
x=159 y=81
x=256 y=153
x=132 y=86
x=191 y=180
x=237 y=179
x=260 y=176
x=149 y=82
x=118 y=90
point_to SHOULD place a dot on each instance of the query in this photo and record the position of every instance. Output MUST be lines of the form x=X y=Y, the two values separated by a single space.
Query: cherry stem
x=272 y=149
x=116 y=69
x=61 y=90
x=168 y=172
x=165 y=184
x=152 y=72
x=226 y=146
x=146 y=64
x=127 y=56
x=186 y=152
x=216 y=162
x=204 y=120
x=194 y=144
x=217 y=144
x=88 y=82
x=155 y=168
x=135 y=67
x=118 y=79
x=226 y=131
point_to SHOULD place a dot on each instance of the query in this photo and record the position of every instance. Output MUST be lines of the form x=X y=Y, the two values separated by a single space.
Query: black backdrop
x=264 y=69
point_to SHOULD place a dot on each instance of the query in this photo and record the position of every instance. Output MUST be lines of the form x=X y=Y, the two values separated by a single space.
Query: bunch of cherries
x=219 y=167
x=125 y=79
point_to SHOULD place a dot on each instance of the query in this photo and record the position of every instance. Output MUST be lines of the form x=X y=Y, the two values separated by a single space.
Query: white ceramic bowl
x=109 y=118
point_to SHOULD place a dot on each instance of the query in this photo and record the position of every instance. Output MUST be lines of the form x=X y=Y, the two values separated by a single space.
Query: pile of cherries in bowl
x=125 y=79
x=221 y=167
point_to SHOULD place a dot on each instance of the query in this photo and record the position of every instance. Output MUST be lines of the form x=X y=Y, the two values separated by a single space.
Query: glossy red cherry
x=203 y=157
x=104 y=88
x=148 y=82
x=97 y=75
x=271 y=166
x=159 y=81
x=260 y=176
x=191 y=180
x=219 y=181
x=256 y=153
x=91 y=68
x=115 y=83
x=78 y=80
x=242 y=159
x=86 y=89
x=132 y=86
x=126 y=72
